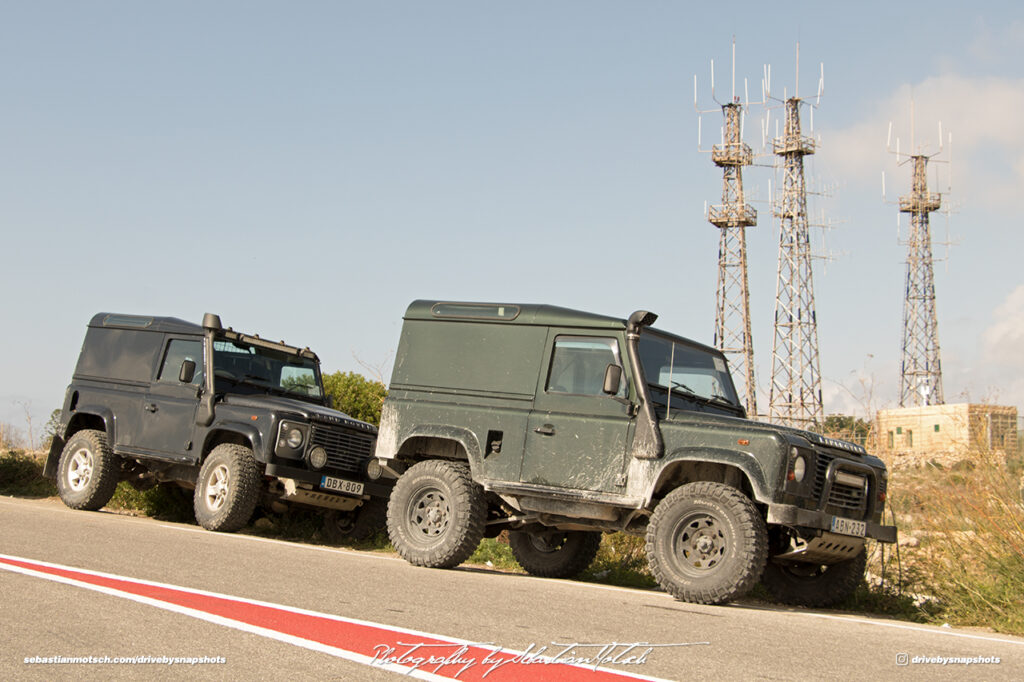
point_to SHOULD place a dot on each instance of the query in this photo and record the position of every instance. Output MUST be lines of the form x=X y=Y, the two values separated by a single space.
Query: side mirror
x=612 y=379
x=329 y=400
x=188 y=372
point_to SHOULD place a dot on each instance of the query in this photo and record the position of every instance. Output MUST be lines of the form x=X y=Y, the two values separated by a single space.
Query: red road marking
x=359 y=641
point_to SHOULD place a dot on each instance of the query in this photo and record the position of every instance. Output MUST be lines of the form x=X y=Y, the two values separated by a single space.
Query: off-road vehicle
x=557 y=425
x=236 y=418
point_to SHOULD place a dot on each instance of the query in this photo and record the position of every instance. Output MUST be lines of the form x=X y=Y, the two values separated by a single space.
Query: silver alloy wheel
x=80 y=469
x=217 y=487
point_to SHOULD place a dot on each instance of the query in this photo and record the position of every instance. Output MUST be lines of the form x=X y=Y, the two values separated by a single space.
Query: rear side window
x=578 y=365
x=179 y=350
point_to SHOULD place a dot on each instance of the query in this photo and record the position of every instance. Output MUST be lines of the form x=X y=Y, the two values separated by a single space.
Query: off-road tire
x=706 y=543
x=812 y=584
x=436 y=514
x=362 y=523
x=554 y=553
x=88 y=471
x=228 y=488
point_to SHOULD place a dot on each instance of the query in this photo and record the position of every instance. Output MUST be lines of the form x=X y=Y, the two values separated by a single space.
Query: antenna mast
x=920 y=366
x=795 y=397
x=732 y=217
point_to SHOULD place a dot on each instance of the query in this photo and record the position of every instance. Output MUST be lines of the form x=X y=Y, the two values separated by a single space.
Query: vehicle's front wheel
x=813 y=584
x=554 y=553
x=88 y=471
x=228 y=488
x=436 y=514
x=706 y=543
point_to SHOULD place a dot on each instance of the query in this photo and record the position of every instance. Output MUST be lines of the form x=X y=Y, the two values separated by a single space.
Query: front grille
x=347 y=450
x=841 y=498
x=846 y=497
x=823 y=459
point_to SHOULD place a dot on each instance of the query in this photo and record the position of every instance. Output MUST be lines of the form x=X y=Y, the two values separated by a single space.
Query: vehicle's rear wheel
x=804 y=584
x=706 y=543
x=554 y=553
x=436 y=514
x=228 y=488
x=88 y=471
x=362 y=523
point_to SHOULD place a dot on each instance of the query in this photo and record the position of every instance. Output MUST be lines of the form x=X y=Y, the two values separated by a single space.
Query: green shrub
x=166 y=501
x=21 y=474
x=355 y=395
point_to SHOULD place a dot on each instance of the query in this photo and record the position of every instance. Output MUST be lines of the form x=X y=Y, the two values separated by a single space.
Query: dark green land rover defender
x=558 y=425
x=239 y=419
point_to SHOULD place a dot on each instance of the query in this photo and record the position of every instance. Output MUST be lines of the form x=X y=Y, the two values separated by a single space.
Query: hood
x=307 y=410
x=788 y=432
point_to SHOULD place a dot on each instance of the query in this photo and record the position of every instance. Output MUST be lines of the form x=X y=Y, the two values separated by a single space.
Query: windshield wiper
x=688 y=393
x=722 y=399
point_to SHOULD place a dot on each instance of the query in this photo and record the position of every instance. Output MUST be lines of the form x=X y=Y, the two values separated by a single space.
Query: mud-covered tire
x=88 y=471
x=362 y=523
x=436 y=514
x=554 y=553
x=706 y=543
x=228 y=488
x=812 y=584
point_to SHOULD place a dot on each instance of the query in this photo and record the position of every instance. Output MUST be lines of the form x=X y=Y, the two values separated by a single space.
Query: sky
x=307 y=169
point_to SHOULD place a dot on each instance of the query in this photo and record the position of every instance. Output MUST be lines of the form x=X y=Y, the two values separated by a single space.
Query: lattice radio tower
x=732 y=217
x=795 y=396
x=920 y=366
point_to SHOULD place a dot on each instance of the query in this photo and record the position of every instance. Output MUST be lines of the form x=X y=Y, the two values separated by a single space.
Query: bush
x=166 y=501
x=21 y=474
x=356 y=396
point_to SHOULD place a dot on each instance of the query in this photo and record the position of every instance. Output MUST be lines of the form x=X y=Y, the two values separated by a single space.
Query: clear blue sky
x=307 y=169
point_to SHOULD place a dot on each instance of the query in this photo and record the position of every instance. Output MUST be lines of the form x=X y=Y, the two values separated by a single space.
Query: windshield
x=681 y=375
x=241 y=363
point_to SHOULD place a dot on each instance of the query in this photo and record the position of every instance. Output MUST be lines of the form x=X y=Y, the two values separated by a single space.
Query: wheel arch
x=736 y=469
x=236 y=433
x=98 y=419
x=441 y=442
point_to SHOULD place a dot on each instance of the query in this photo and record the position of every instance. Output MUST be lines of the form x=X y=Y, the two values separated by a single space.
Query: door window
x=578 y=365
x=179 y=350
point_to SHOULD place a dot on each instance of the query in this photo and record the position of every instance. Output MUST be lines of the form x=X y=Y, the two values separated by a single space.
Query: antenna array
x=795 y=397
x=732 y=217
x=920 y=366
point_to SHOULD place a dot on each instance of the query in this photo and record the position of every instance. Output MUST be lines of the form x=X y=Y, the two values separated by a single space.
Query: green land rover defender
x=557 y=425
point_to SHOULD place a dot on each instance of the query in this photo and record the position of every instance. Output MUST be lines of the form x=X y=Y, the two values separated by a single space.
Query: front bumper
x=372 y=488
x=790 y=515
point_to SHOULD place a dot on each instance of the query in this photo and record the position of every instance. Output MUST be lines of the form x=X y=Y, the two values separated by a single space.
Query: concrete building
x=945 y=433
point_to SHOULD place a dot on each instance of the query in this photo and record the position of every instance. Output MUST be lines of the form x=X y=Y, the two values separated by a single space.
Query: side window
x=578 y=364
x=179 y=350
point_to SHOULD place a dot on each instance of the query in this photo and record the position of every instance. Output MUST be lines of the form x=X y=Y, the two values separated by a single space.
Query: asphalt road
x=40 y=617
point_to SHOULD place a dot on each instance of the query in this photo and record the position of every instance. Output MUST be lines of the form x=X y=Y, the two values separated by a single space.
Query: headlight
x=799 y=468
x=291 y=436
x=374 y=470
x=317 y=457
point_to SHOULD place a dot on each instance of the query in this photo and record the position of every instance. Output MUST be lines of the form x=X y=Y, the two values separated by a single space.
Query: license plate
x=341 y=485
x=849 y=526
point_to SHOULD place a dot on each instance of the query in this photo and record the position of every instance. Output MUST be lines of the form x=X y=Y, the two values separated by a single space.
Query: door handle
x=150 y=407
x=546 y=430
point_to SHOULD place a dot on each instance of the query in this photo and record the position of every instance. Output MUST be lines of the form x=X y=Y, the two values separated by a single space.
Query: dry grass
x=963 y=541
